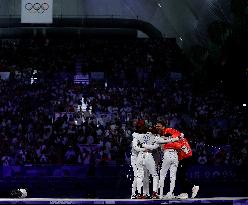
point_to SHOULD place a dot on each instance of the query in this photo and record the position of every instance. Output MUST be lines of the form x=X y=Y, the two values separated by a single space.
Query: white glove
x=181 y=136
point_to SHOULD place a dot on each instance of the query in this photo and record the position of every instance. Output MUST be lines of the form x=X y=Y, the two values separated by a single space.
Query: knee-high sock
x=161 y=186
x=172 y=183
x=139 y=184
x=173 y=172
x=146 y=186
x=134 y=185
x=155 y=183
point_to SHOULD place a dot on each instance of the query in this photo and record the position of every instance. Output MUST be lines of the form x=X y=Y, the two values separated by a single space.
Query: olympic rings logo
x=37 y=7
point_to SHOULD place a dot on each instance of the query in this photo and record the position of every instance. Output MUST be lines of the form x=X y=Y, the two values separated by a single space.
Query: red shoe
x=139 y=196
x=147 y=196
x=155 y=195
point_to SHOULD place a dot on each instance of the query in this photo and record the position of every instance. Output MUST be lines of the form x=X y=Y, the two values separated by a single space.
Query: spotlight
x=244 y=105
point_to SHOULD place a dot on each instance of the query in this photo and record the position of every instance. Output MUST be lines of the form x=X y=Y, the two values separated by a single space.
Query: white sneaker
x=195 y=190
x=169 y=195
x=183 y=196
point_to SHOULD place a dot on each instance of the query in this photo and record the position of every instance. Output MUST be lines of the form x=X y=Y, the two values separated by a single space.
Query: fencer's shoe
x=155 y=195
x=169 y=195
x=147 y=196
x=139 y=196
x=195 y=190
x=183 y=196
x=134 y=196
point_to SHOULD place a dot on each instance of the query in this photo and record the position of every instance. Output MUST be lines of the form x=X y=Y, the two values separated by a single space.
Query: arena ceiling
x=186 y=20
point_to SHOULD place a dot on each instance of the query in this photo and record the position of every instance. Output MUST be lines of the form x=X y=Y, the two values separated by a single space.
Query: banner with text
x=37 y=11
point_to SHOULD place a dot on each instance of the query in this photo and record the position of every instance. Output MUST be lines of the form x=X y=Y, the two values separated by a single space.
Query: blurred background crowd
x=53 y=120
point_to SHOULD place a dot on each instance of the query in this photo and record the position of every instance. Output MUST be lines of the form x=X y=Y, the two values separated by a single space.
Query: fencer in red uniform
x=173 y=153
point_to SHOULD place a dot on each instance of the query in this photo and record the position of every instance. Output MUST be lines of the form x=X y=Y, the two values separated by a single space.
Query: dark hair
x=163 y=123
x=141 y=129
x=153 y=130
x=167 y=135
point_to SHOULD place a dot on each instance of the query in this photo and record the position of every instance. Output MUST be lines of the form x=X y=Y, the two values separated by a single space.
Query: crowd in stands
x=40 y=123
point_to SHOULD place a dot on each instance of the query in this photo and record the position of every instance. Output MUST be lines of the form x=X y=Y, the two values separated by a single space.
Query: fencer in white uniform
x=145 y=159
x=134 y=156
